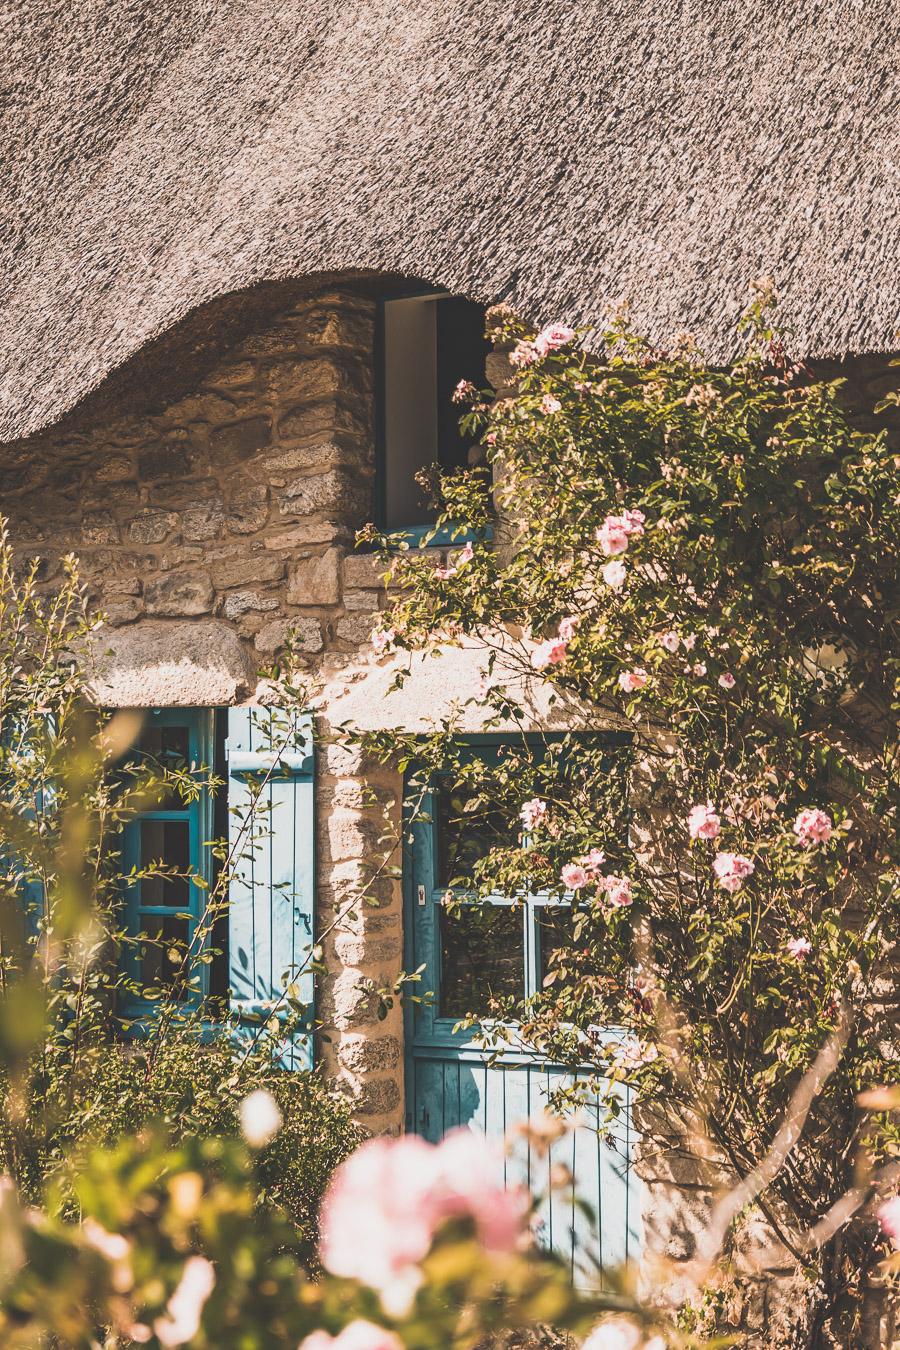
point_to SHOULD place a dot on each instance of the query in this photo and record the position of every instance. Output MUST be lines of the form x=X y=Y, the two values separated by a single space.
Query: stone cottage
x=244 y=257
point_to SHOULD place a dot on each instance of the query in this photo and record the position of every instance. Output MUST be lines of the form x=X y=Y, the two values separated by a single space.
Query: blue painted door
x=469 y=957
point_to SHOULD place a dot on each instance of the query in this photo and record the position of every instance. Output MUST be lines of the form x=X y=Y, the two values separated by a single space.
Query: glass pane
x=465 y=836
x=170 y=748
x=554 y=925
x=482 y=959
x=167 y=842
x=166 y=743
x=163 y=950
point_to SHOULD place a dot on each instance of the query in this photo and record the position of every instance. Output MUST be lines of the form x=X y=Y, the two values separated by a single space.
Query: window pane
x=410 y=407
x=166 y=743
x=554 y=925
x=461 y=354
x=465 y=836
x=163 y=950
x=482 y=959
x=167 y=842
x=431 y=342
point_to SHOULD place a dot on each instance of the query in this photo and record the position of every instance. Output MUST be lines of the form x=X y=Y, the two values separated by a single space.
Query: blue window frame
x=426 y=342
x=164 y=914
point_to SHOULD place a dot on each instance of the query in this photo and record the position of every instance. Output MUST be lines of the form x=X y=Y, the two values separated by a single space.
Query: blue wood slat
x=271 y=829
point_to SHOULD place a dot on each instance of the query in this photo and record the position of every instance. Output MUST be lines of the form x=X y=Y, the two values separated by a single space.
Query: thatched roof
x=555 y=155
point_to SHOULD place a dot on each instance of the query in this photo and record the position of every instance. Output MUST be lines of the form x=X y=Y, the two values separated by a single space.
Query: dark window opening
x=429 y=343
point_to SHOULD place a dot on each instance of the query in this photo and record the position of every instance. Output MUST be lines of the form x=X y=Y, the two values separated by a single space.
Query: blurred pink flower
x=689 y=642
x=567 y=628
x=357 y=1335
x=386 y=1202
x=702 y=822
x=888 y=1216
x=727 y=680
x=732 y=869
x=669 y=640
x=617 y=1335
x=574 y=876
x=467 y=554
x=630 y=680
x=813 y=826
x=552 y=337
x=698 y=670
x=184 y=1309
x=533 y=813
x=799 y=947
x=614 y=574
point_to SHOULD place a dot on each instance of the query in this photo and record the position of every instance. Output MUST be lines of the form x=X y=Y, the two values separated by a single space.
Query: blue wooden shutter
x=270 y=913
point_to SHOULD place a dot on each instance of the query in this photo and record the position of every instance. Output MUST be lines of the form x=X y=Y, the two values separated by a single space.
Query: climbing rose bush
x=700 y=567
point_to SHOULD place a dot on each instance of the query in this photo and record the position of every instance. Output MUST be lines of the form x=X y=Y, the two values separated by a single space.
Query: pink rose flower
x=594 y=861
x=888 y=1216
x=550 y=404
x=630 y=680
x=703 y=823
x=523 y=354
x=689 y=642
x=467 y=554
x=490 y=438
x=357 y=1335
x=613 y=536
x=382 y=638
x=619 y=890
x=533 y=813
x=726 y=680
x=573 y=876
x=548 y=653
x=813 y=826
x=551 y=338
x=698 y=670
x=669 y=640
x=462 y=391
x=633 y=522
x=614 y=574
x=799 y=947
x=443 y=573
x=567 y=629
x=732 y=869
